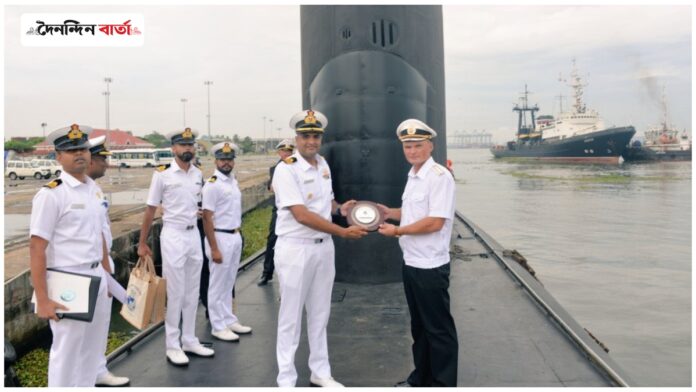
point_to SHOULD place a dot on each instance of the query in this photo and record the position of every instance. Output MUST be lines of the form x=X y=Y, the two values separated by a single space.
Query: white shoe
x=177 y=357
x=239 y=328
x=226 y=335
x=109 y=380
x=325 y=382
x=199 y=350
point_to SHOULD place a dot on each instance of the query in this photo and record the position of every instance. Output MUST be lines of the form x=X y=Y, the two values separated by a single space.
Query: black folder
x=94 y=283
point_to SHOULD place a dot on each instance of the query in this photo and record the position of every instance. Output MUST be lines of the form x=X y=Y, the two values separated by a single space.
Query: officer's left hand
x=216 y=255
x=387 y=229
x=345 y=207
x=199 y=214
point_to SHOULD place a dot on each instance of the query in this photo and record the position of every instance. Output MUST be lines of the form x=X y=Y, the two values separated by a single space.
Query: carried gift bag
x=160 y=300
x=140 y=293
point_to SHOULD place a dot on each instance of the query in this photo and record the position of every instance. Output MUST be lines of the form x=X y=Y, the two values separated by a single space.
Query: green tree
x=19 y=146
x=235 y=139
x=247 y=145
x=157 y=139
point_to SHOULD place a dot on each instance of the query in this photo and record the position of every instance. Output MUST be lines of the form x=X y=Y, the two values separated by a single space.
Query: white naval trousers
x=222 y=277
x=77 y=346
x=182 y=259
x=306 y=274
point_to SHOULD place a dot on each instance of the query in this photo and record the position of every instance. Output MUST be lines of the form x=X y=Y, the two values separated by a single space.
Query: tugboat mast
x=524 y=130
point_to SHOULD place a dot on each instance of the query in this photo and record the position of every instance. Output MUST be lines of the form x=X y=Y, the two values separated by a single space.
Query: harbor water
x=612 y=243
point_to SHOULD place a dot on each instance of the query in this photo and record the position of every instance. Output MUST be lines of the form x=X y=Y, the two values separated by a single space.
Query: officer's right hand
x=354 y=232
x=217 y=256
x=144 y=250
x=47 y=309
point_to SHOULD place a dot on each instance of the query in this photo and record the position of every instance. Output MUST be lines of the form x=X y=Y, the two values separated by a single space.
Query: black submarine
x=367 y=68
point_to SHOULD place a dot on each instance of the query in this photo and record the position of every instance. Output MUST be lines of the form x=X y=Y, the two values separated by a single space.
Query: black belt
x=227 y=231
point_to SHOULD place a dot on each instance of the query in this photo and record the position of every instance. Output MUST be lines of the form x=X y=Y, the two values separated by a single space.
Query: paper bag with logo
x=160 y=300
x=140 y=294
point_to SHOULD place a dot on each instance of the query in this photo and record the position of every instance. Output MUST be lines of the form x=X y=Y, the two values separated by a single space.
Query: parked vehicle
x=140 y=157
x=50 y=164
x=23 y=169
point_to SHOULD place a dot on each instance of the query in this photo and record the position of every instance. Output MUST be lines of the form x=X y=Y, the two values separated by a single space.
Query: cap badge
x=226 y=148
x=187 y=134
x=310 y=119
x=75 y=132
x=411 y=131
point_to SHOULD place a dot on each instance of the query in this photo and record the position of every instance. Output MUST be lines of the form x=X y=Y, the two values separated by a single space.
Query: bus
x=140 y=157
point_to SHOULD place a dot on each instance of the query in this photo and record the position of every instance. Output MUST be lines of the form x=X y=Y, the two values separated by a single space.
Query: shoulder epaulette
x=162 y=168
x=212 y=179
x=439 y=169
x=53 y=183
x=290 y=160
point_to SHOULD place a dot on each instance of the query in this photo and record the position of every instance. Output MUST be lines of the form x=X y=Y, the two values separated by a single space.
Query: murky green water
x=611 y=243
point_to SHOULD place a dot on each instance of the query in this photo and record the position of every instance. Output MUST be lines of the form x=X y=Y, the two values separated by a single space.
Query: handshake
x=364 y=216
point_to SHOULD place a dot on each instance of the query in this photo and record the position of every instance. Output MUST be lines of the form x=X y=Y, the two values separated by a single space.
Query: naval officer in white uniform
x=97 y=168
x=222 y=220
x=177 y=188
x=304 y=251
x=66 y=235
x=426 y=215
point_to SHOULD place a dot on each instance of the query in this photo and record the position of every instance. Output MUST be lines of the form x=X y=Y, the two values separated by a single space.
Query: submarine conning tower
x=368 y=68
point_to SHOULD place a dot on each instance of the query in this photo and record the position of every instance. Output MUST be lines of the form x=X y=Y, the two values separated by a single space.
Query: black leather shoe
x=402 y=384
x=264 y=280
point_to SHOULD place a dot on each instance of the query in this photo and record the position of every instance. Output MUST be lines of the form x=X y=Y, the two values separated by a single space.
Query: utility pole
x=208 y=83
x=43 y=125
x=107 y=95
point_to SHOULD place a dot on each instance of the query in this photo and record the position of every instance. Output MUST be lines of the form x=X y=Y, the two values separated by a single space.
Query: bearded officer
x=222 y=219
x=177 y=188
x=66 y=235
x=284 y=149
x=426 y=217
x=304 y=253
x=97 y=168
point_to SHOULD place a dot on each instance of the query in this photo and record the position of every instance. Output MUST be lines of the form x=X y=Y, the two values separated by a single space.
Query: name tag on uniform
x=77 y=206
x=173 y=185
x=308 y=180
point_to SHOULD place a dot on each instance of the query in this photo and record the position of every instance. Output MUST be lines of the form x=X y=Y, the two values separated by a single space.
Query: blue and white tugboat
x=578 y=135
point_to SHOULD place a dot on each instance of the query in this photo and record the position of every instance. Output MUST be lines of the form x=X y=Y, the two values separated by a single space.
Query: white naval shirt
x=224 y=198
x=106 y=223
x=178 y=192
x=70 y=218
x=301 y=183
x=430 y=193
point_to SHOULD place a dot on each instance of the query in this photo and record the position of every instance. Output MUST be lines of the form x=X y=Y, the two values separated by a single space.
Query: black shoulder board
x=53 y=183
x=162 y=168
x=212 y=179
x=290 y=160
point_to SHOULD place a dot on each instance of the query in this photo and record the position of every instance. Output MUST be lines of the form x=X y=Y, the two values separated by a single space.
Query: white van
x=23 y=169
x=52 y=165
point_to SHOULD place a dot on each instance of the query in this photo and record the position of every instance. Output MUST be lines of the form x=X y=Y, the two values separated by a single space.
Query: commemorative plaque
x=365 y=214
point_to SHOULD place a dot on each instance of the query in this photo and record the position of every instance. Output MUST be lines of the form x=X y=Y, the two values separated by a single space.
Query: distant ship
x=662 y=143
x=578 y=135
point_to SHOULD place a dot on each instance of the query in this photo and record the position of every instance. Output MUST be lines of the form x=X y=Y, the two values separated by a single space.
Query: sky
x=252 y=55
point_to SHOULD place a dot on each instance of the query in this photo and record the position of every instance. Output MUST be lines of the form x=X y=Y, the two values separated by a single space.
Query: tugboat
x=578 y=135
x=662 y=143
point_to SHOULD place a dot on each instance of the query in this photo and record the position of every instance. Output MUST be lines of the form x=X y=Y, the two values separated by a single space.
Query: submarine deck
x=511 y=333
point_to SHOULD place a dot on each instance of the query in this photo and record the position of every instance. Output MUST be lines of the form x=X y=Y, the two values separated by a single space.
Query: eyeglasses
x=306 y=136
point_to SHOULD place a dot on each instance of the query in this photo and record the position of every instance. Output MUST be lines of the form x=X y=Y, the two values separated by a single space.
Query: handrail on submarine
x=496 y=252
x=493 y=247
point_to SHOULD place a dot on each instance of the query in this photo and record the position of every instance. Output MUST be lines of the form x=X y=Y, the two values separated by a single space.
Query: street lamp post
x=208 y=83
x=107 y=95
x=270 y=130
x=43 y=125
x=264 y=132
x=183 y=106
